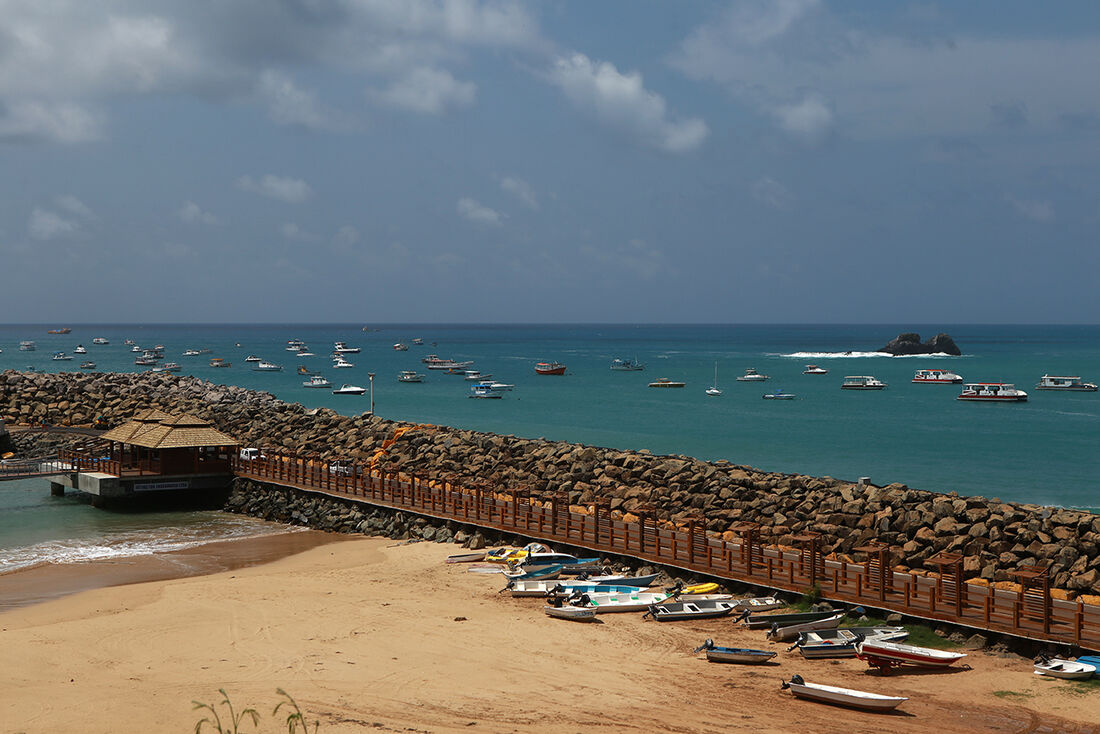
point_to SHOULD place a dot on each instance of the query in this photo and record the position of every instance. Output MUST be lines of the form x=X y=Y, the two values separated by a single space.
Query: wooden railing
x=871 y=583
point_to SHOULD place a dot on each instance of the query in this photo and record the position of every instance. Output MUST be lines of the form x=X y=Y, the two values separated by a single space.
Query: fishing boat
x=1051 y=382
x=349 y=390
x=570 y=612
x=87 y=365
x=409 y=376
x=713 y=390
x=545 y=573
x=764 y=621
x=636 y=601
x=752 y=375
x=666 y=382
x=59 y=331
x=841 y=642
x=219 y=362
x=27 y=346
x=779 y=633
x=885 y=655
x=550 y=368
x=862 y=382
x=496 y=386
x=61 y=357
x=399 y=347
x=1061 y=668
x=671 y=611
x=471 y=557
x=343 y=348
x=778 y=395
x=627 y=365
x=100 y=341
x=484 y=393
x=474 y=376
x=718 y=654
x=849 y=697
x=80 y=349
x=317 y=381
x=813 y=369
x=341 y=364
x=252 y=358
x=263 y=366
x=937 y=377
x=992 y=392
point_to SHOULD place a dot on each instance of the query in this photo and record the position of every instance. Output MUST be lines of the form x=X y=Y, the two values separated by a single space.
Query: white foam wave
x=855 y=355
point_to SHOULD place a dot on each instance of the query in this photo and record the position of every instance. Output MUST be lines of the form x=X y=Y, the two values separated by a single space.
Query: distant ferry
x=862 y=382
x=549 y=368
x=1051 y=382
x=997 y=392
x=937 y=376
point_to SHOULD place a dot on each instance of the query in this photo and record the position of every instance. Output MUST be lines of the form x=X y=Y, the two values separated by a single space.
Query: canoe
x=638 y=601
x=849 y=697
x=717 y=654
x=759 y=604
x=762 y=621
x=1061 y=668
x=466 y=557
x=885 y=655
x=671 y=611
x=789 y=632
x=568 y=611
x=537 y=588
x=841 y=642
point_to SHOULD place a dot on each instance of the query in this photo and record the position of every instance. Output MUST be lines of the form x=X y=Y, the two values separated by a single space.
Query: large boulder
x=910 y=343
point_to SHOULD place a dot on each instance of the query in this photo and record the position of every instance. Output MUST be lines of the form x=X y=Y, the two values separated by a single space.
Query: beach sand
x=367 y=635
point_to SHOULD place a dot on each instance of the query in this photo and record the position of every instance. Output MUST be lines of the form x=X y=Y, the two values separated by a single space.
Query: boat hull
x=574 y=614
x=743 y=656
x=845 y=697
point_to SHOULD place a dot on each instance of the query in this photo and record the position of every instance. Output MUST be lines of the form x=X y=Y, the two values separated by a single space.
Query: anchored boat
x=993 y=392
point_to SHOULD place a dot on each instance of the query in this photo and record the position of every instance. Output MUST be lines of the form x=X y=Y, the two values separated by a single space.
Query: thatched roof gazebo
x=154 y=442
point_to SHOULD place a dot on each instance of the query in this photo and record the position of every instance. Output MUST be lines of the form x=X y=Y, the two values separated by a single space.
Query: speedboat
x=263 y=366
x=399 y=347
x=862 y=382
x=475 y=376
x=778 y=395
x=87 y=365
x=317 y=381
x=666 y=382
x=550 y=368
x=61 y=357
x=193 y=353
x=752 y=375
x=994 y=392
x=303 y=351
x=480 y=391
x=813 y=369
x=842 y=696
x=129 y=342
x=343 y=348
x=80 y=349
x=495 y=386
x=252 y=358
x=718 y=654
x=349 y=390
x=418 y=342
x=99 y=340
x=341 y=364
x=168 y=367
x=937 y=376
x=626 y=365
x=136 y=348
x=1062 y=668
x=409 y=376
x=1051 y=382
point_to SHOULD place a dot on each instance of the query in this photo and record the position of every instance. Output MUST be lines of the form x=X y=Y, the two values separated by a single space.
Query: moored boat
x=399 y=347
x=409 y=376
x=87 y=365
x=317 y=381
x=718 y=654
x=100 y=341
x=1052 y=382
x=779 y=395
x=937 y=376
x=484 y=393
x=61 y=357
x=849 y=697
x=219 y=362
x=627 y=365
x=341 y=364
x=993 y=392
x=862 y=382
x=80 y=349
x=752 y=375
x=813 y=369
x=550 y=368
x=263 y=366
x=343 y=348
x=349 y=390
x=27 y=346
x=252 y=358
x=666 y=382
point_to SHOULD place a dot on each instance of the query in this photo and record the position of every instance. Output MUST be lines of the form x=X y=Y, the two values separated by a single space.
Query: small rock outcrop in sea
x=910 y=343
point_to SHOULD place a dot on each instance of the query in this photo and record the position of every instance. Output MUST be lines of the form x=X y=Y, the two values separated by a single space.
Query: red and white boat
x=884 y=655
x=937 y=376
x=996 y=392
x=550 y=368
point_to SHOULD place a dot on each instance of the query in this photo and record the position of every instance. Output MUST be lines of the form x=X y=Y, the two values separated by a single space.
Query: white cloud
x=288 y=104
x=769 y=191
x=43 y=121
x=291 y=190
x=45 y=224
x=521 y=190
x=75 y=206
x=476 y=212
x=1037 y=211
x=427 y=91
x=622 y=101
x=346 y=236
x=192 y=213
x=808 y=120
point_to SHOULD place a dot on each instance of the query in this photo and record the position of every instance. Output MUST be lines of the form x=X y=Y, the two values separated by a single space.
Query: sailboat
x=713 y=389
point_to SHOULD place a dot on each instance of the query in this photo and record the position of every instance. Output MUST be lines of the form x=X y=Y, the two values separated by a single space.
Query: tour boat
x=666 y=382
x=714 y=391
x=1051 y=382
x=718 y=654
x=778 y=395
x=842 y=696
x=996 y=392
x=219 y=362
x=409 y=376
x=626 y=365
x=59 y=331
x=480 y=391
x=813 y=369
x=550 y=368
x=80 y=349
x=349 y=390
x=87 y=365
x=862 y=382
x=168 y=367
x=252 y=358
x=752 y=375
x=342 y=348
x=263 y=366
x=1062 y=668
x=496 y=386
x=883 y=654
x=399 y=347
x=317 y=381
x=27 y=346
x=937 y=376
x=99 y=340
x=60 y=357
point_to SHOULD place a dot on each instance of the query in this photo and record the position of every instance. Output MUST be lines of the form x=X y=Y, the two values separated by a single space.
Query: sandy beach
x=369 y=635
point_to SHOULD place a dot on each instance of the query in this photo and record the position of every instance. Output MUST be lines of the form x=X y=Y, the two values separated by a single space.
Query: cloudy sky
x=631 y=161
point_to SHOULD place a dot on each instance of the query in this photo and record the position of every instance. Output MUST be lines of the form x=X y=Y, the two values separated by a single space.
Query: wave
x=856 y=355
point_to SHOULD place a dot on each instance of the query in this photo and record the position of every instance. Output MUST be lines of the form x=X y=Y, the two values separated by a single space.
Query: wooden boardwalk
x=1029 y=613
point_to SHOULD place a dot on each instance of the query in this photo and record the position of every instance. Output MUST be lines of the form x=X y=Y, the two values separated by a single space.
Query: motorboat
x=418 y=342
x=474 y=376
x=480 y=391
x=305 y=371
x=129 y=342
x=1062 y=668
x=27 y=346
x=168 y=367
x=219 y=362
x=1051 y=382
x=627 y=365
x=80 y=349
x=263 y=366
x=317 y=381
x=813 y=369
x=779 y=632
x=849 y=697
x=294 y=344
x=100 y=341
x=147 y=361
x=994 y=392
x=192 y=353
x=752 y=375
x=409 y=376
x=666 y=382
x=399 y=347
x=778 y=395
x=450 y=365
x=862 y=382
x=87 y=365
x=718 y=654
x=61 y=357
x=341 y=364
x=765 y=621
x=496 y=386
x=713 y=390
x=252 y=358
x=348 y=390
x=343 y=348
x=671 y=611
x=841 y=642
x=636 y=601
x=303 y=351
x=885 y=655
x=550 y=368
x=570 y=612
x=759 y=604
x=937 y=377
x=136 y=348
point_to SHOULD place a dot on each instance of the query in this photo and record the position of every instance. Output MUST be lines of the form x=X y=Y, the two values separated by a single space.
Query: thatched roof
x=153 y=429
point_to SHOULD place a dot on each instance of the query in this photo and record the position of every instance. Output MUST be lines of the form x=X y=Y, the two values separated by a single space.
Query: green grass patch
x=1085 y=687
x=1012 y=695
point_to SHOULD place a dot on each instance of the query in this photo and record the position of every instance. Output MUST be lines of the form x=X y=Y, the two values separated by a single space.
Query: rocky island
x=910 y=343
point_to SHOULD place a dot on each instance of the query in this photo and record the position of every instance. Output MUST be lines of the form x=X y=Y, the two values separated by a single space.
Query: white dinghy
x=1062 y=668
x=849 y=697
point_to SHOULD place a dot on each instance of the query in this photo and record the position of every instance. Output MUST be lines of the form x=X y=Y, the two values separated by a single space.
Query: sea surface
x=1043 y=451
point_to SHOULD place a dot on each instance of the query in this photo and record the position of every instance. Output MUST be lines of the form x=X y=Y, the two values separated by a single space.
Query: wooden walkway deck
x=944 y=596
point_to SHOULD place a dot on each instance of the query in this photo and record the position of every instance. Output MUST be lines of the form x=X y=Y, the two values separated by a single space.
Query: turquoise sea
x=1041 y=451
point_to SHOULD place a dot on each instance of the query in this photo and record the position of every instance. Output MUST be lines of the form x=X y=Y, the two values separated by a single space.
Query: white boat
x=87 y=365
x=496 y=386
x=841 y=642
x=343 y=348
x=718 y=654
x=626 y=365
x=994 y=392
x=99 y=340
x=842 y=696
x=418 y=342
x=263 y=366
x=168 y=367
x=193 y=353
x=778 y=394
x=60 y=357
x=713 y=390
x=862 y=382
x=475 y=376
x=349 y=390
x=317 y=381
x=449 y=364
x=399 y=347
x=471 y=557
x=480 y=391
x=409 y=376
x=341 y=364
x=304 y=352
x=882 y=653
x=937 y=377
x=691 y=608
x=568 y=611
x=136 y=348
x=752 y=375
x=790 y=632
x=759 y=604
x=27 y=346
x=813 y=369
x=1061 y=668
x=666 y=382
x=80 y=349
x=294 y=344
x=252 y=358
x=1052 y=382
x=615 y=602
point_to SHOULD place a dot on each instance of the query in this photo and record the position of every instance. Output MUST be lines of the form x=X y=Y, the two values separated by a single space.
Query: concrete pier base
x=57 y=490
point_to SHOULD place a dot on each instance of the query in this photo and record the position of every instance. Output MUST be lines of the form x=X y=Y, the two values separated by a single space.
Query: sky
x=626 y=161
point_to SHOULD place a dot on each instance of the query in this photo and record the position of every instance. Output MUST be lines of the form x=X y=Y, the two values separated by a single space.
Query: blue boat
x=717 y=654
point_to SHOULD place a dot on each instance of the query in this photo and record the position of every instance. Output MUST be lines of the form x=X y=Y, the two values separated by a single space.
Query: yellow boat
x=700 y=589
x=506 y=555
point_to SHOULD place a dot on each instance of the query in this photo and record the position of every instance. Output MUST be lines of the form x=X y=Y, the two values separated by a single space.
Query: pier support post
x=57 y=490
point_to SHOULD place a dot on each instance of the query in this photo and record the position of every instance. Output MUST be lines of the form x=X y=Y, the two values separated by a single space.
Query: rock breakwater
x=995 y=538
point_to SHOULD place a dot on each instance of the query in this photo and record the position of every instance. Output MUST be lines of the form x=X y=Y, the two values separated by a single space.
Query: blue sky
x=359 y=160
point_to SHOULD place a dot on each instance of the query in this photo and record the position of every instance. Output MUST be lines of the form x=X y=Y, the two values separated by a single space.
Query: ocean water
x=1042 y=451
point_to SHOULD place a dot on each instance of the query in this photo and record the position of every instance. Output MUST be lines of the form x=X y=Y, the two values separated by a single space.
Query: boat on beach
x=718 y=654
x=862 y=382
x=992 y=392
x=779 y=633
x=764 y=621
x=570 y=612
x=937 y=377
x=841 y=642
x=1052 y=382
x=471 y=557
x=884 y=655
x=637 y=601
x=849 y=697
x=550 y=368
x=1062 y=668
x=671 y=611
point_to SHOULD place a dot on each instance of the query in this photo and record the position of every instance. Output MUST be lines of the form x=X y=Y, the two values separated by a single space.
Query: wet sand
x=367 y=635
